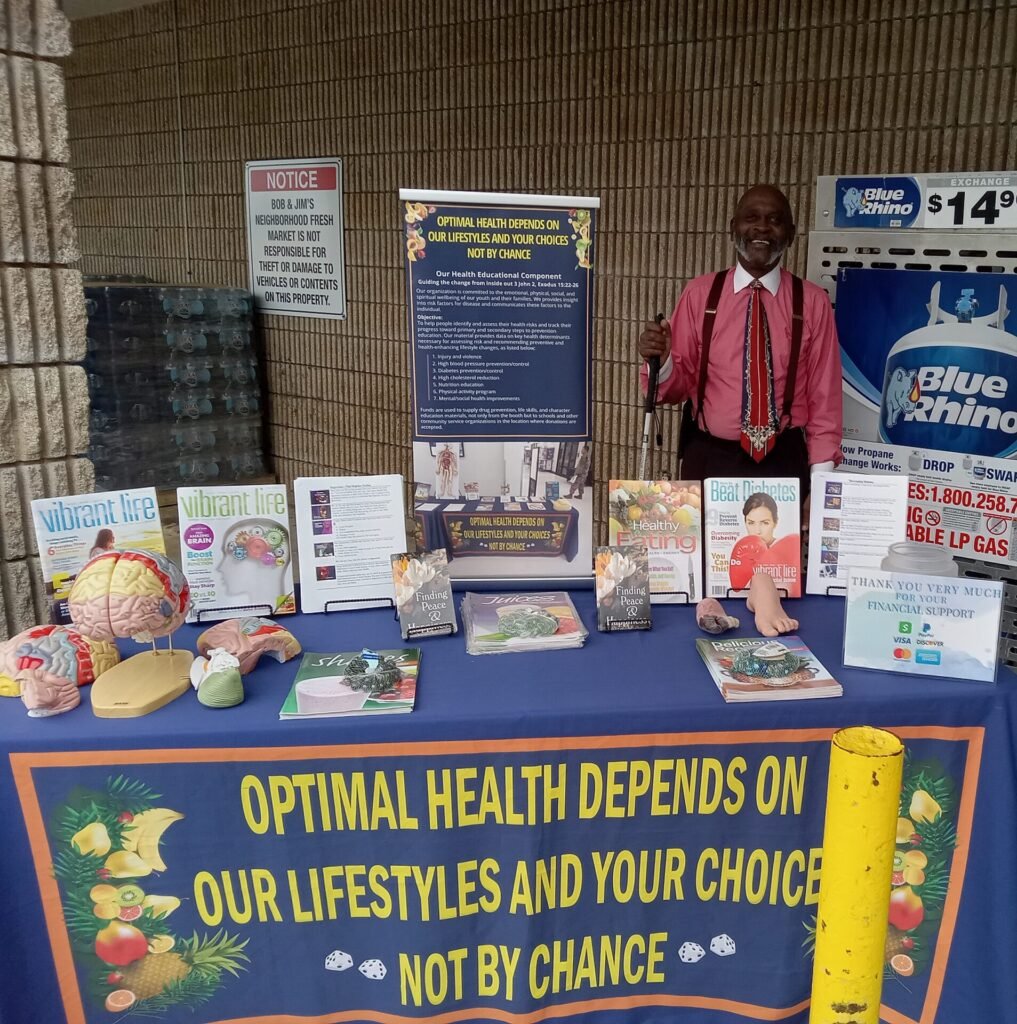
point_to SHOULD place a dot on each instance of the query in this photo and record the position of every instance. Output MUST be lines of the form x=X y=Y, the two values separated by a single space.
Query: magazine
x=623 y=588
x=752 y=525
x=236 y=550
x=354 y=683
x=667 y=515
x=766 y=668
x=423 y=594
x=72 y=529
x=501 y=623
x=348 y=529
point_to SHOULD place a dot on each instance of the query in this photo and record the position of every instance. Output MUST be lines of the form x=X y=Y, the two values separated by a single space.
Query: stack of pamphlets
x=761 y=668
x=354 y=683
x=501 y=623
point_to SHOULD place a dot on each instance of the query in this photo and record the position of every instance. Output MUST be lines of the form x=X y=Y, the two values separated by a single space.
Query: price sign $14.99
x=973 y=207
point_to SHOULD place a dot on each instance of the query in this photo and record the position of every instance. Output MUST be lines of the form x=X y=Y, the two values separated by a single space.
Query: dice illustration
x=690 y=952
x=722 y=945
x=373 y=969
x=337 y=960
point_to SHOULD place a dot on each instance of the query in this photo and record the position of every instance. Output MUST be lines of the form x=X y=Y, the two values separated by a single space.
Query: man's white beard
x=776 y=251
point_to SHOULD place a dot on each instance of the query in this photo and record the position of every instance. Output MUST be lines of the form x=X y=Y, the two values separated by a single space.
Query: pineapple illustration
x=198 y=966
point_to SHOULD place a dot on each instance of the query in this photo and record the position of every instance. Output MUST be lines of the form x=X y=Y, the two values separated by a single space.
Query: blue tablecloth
x=534 y=529
x=623 y=696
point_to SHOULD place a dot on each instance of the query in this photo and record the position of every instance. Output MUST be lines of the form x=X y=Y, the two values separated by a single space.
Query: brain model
x=248 y=638
x=49 y=663
x=140 y=594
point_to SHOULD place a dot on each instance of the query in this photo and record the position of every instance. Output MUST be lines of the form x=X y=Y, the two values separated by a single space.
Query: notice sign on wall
x=296 y=261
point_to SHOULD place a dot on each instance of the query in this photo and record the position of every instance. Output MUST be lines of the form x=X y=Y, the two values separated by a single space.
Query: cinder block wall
x=43 y=396
x=664 y=110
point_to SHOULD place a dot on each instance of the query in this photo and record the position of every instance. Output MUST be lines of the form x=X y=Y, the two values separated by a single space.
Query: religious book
x=753 y=525
x=70 y=530
x=501 y=623
x=623 y=588
x=362 y=682
x=348 y=529
x=236 y=550
x=423 y=594
x=666 y=515
x=766 y=668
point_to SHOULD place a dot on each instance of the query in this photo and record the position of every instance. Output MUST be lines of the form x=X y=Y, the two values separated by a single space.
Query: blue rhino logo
x=897 y=395
x=852 y=201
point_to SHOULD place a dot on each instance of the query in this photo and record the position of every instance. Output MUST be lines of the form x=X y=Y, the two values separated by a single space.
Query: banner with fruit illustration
x=398 y=882
x=500 y=302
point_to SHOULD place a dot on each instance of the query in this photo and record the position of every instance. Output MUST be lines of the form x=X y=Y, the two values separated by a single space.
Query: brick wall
x=43 y=396
x=666 y=111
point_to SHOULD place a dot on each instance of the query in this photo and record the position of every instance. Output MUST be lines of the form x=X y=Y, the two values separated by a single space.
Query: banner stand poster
x=500 y=296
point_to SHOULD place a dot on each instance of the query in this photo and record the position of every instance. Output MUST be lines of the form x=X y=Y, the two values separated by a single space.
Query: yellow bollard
x=866 y=766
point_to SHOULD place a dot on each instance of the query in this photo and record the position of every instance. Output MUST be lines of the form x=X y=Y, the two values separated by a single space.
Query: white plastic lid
x=923 y=559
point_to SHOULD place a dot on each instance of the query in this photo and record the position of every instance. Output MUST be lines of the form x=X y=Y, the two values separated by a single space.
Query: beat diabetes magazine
x=752 y=525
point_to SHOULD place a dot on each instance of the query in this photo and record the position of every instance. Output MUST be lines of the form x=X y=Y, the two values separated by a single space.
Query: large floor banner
x=500 y=293
x=510 y=880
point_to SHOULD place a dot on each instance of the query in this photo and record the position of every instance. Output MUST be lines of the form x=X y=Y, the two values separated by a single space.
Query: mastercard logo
x=902 y=654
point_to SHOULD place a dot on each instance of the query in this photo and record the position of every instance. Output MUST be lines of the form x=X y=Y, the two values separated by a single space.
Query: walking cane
x=653 y=372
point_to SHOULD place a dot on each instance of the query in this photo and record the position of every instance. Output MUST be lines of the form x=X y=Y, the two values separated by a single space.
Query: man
x=738 y=421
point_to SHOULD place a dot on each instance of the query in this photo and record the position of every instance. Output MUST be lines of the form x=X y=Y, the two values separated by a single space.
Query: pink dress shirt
x=817 y=403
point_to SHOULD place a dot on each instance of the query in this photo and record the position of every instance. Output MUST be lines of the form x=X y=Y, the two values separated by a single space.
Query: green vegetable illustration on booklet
x=528 y=622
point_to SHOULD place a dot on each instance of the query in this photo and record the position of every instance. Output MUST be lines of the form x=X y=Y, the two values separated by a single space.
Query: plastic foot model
x=711 y=617
x=764 y=603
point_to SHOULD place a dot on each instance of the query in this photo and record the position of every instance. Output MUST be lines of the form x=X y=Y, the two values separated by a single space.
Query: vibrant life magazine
x=667 y=516
x=354 y=683
x=72 y=529
x=766 y=668
x=500 y=623
x=752 y=525
x=236 y=550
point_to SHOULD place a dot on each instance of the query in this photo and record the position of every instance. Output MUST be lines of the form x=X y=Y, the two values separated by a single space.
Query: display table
x=487 y=527
x=537 y=840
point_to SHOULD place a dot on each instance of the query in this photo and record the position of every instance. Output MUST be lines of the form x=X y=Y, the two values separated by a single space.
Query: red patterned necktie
x=759 y=406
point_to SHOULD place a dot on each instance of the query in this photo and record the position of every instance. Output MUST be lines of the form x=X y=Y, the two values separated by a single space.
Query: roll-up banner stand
x=500 y=302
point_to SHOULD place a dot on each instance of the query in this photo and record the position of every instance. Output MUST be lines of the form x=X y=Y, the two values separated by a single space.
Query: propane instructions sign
x=296 y=260
x=965 y=504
